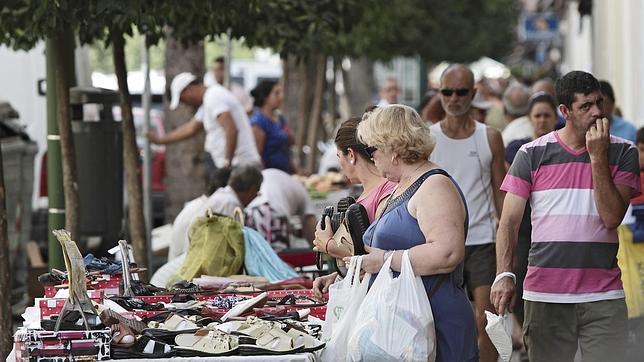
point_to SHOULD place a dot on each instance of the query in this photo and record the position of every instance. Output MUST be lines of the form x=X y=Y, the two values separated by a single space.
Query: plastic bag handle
x=354 y=268
x=405 y=268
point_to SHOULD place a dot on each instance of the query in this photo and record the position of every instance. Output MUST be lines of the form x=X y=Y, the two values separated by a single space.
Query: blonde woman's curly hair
x=399 y=128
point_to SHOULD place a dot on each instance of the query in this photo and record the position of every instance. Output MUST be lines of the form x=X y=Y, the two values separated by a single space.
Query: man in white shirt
x=280 y=198
x=242 y=188
x=229 y=138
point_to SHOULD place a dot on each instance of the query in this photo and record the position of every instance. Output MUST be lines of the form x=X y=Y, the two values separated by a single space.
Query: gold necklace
x=410 y=179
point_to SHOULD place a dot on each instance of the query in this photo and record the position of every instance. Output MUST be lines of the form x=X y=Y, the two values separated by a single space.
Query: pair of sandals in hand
x=349 y=223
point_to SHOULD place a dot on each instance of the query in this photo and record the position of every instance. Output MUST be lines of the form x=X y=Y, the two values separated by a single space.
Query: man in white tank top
x=473 y=154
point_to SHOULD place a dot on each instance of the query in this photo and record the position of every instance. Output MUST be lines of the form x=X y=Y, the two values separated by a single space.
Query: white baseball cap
x=480 y=102
x=179 y=83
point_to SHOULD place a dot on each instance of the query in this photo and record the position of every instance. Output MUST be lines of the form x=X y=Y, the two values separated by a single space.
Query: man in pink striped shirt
x=579 y=181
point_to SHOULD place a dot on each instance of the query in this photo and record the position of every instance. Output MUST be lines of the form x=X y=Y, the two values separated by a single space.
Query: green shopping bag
x=216 y=247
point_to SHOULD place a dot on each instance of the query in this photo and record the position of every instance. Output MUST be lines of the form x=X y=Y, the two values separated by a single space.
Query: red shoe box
x=109 y=285
x=38 y=345
x=51 y=306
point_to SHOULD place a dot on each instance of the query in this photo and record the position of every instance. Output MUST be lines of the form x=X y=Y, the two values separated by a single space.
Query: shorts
x=479 y=266
x=554 y=331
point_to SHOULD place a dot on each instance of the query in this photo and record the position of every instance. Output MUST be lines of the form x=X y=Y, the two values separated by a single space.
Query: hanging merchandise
x=345 y=298
x=261 y=260
x=395 y=321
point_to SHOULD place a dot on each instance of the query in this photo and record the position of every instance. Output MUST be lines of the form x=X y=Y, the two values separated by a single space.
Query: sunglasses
x=459 y=92
x=370 y=150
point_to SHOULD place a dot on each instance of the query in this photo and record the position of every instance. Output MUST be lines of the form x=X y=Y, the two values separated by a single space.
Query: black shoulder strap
x=411 y=190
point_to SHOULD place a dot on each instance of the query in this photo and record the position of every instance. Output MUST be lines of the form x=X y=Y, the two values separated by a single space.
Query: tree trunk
x=292 y=85
x=185 y=176
x=316 y=113
x=136 y=220
x=303 y=109
x=70 y=178
x=6 y=319
x=55 y=196
x=360 y=85
x=333 y=99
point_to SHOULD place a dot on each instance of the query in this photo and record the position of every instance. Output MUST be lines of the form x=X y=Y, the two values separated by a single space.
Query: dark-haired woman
x=358 y=167
x=272 y=135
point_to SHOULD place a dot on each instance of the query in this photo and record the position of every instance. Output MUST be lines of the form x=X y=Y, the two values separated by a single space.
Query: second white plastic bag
x=395 y=321
x=345 y=298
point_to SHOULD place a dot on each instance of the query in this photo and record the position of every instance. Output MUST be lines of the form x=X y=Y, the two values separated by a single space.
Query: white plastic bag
x=395 y=321
x=499 y=329
x=345 y=298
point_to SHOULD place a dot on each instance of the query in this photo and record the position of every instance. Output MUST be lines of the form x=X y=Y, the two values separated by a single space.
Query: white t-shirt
x=216 y=101
x=179 y=232
x=518 y=129
x=223 y=201
x=286 y=195
x=235 y=88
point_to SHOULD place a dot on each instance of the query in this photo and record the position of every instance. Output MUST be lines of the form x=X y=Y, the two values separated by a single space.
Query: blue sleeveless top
x=396 y=229
x=276 y=149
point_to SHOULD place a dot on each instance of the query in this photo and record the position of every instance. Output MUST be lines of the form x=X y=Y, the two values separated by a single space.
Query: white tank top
x=469 y=161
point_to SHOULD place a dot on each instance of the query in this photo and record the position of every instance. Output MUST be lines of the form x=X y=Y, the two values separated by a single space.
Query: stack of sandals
x=271 y=330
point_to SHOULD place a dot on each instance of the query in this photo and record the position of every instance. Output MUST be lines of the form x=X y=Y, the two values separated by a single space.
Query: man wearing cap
x=479 y=107
x=229 y=138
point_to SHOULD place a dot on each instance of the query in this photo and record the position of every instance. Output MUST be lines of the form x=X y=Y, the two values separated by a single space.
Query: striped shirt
x=573 y=255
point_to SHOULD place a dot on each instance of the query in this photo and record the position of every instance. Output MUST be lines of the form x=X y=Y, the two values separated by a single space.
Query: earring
x=352 y=161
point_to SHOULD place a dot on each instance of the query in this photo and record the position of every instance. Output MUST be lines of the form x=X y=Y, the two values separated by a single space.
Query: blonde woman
x=426 y=215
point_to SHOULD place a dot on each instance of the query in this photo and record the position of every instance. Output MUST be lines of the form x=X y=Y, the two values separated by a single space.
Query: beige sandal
x=209 y=342
x=257 y=337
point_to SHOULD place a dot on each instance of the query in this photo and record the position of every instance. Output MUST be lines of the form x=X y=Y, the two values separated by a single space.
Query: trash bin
x=98 y=144
x=18 y=152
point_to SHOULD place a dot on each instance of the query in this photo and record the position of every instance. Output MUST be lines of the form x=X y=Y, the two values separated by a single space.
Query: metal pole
x=228 y=55
x=56 y=201
x=146 y=99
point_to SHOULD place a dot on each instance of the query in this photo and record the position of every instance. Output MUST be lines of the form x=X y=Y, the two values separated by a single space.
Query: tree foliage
x=455 y=30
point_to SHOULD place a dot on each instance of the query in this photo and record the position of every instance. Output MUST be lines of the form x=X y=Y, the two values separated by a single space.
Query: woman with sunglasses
x=427 y=216
x=357 y=166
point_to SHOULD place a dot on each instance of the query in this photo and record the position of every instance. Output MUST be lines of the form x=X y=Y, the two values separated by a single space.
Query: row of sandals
x=249 y=326
x=184 y=337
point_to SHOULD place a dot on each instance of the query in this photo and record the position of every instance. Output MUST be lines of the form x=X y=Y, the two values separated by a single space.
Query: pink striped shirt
x=573 y=255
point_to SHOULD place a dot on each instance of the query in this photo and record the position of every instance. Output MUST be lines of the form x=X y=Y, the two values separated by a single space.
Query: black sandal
x=292 y=300
x=73 y=321
x=144 y=347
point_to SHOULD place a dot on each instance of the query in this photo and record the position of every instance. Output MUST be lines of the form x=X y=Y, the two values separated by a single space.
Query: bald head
x=460 y=71
x=516 y=99
x=457 y=90
x=544 y=85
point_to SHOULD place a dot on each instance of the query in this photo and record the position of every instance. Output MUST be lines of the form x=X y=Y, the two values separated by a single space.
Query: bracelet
x=326 y=247
x=503 y=275
x=386 y=255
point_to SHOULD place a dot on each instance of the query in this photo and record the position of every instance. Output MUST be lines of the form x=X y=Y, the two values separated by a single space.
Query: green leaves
x=455 y=30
